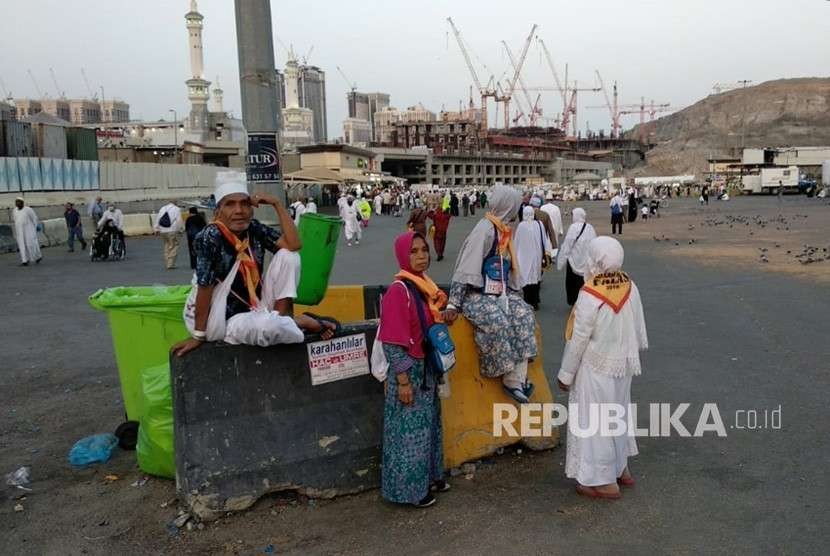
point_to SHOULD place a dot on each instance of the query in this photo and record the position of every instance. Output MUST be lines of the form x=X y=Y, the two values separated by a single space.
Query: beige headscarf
x=503 y=202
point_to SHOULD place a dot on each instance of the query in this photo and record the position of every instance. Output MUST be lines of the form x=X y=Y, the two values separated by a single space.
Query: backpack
x=616 y=209
x=164 y=221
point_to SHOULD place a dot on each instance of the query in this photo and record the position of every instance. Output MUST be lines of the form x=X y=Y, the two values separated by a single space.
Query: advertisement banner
x=263 y=163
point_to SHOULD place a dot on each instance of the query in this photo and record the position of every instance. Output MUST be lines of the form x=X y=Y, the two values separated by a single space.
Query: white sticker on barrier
x=338 y=359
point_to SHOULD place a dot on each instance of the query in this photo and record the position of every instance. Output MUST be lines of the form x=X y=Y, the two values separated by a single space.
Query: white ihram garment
x=598 y=363
x=555 y=217
x=262 y=326
x=531 y=242
x=25 y=231
x=574 y=248
x=349 y=215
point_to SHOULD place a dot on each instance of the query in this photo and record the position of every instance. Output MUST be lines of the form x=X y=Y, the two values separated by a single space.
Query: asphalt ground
x=742 y=337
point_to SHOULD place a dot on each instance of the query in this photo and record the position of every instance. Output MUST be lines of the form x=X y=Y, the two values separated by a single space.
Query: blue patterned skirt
x=413 y=456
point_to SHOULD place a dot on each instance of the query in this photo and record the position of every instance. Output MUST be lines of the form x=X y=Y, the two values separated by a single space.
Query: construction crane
x=307 y=57
x=34 y=82
x=517 y=70
x=569 y=94
x=552 y=67
x=535 y=110
x=613 y=107
x=61 y=94
x=6 y=93
x=643 y=109
x=92 y=94
x=349 y=82
x=485 y=91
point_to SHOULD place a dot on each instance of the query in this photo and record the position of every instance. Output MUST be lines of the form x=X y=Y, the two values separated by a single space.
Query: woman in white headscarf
x=573 y=254
x=532 y=245
x=605 y=334
x=485 y=288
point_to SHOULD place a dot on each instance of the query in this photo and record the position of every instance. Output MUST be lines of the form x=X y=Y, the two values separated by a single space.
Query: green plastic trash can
x=319 y=234
x=145 y=322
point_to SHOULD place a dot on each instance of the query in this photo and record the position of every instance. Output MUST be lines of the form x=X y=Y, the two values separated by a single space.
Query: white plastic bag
x=219 y=301
x=262 y=327
x=378 y=363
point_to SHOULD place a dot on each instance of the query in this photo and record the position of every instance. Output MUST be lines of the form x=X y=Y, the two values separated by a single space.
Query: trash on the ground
x=455 y=472
x=21 y=478
x=468 y=468
x=469 y=476
x=111 y=478
x=18 y=507
x=181 y=520
x=141 y=482
x=168 y=503
x=269 y=549
x=97 y=448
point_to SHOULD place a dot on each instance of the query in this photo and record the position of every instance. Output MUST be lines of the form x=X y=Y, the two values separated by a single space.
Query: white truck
x=770 y=179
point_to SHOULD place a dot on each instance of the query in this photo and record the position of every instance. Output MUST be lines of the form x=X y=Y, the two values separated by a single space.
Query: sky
x=669 y=51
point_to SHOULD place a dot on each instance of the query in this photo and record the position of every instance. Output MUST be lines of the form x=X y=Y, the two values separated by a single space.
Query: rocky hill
x=775 y=113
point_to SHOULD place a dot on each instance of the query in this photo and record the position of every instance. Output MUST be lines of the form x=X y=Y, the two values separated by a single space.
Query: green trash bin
x=319 y=234
x=145 y=322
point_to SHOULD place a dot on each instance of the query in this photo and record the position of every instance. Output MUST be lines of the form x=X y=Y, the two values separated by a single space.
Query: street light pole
x=175 y=136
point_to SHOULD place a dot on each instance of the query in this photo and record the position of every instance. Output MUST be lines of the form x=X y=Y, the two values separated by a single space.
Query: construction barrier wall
x=24 y=174
x=251 y=420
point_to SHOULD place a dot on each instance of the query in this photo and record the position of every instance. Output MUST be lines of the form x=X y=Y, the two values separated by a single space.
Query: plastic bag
x=20 y=478
x=155 y=451
x=97 y=448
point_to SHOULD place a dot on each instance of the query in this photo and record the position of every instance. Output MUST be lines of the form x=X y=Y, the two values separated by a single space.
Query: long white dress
x=531 y=243
x=555 y=217
x=25 y=229
x=349 y=215
x=598 y=363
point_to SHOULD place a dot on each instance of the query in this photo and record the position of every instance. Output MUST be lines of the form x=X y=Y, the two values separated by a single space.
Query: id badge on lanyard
x=492 y=285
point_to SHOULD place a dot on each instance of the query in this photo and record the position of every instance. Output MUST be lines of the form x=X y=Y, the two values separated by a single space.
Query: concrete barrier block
x=8 y=243
x=54 y=232
x=137 y=224
x=249 y=421
x=467 y=415
x=345 y=303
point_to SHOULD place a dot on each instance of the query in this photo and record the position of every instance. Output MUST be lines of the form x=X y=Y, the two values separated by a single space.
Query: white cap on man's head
x=229 y=183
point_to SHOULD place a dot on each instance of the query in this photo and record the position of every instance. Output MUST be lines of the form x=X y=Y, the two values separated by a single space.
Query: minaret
x=198 y=89
x=218 y=98
x=292 y=84
x=297 y=122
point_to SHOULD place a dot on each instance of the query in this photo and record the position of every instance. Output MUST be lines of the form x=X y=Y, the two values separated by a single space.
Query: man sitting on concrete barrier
x=229 y=301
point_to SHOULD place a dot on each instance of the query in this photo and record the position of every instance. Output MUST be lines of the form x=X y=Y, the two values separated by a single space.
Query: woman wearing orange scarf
x=413 y=462
x=486 y=291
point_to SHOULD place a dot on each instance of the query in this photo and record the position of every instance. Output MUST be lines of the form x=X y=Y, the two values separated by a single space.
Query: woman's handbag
x=439 y=350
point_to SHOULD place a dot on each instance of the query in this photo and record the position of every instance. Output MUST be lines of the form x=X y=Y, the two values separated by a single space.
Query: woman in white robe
x=573 y=253
x=25 y=231
x=349 y=214
x=532 y=244
x=607 y=332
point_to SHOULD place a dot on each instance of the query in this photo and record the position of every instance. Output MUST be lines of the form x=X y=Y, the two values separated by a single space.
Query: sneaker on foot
x=426 y=501
x=440 y=486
